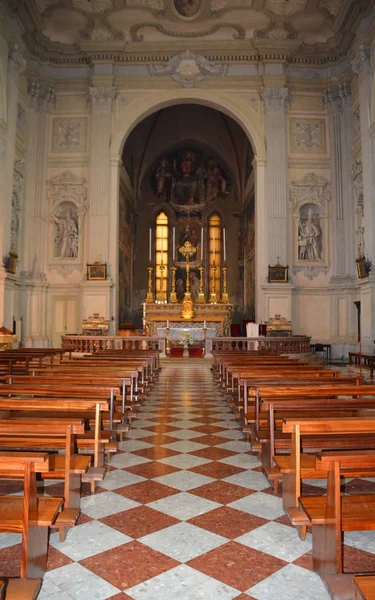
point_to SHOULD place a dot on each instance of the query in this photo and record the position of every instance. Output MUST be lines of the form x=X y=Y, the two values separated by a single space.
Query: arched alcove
x=152 y=179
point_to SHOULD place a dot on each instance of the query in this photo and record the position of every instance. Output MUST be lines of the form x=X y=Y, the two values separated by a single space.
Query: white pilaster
x=361 y=67
x=16 y=66
x=338 y=102
x=101 y=100
x=276 y=101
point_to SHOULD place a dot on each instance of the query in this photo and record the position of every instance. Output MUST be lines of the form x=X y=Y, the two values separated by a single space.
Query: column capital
x=101 y=99
x=41 y=99
x=336 y=98
x=360 y=61
x=17 y=64
x=276 y=100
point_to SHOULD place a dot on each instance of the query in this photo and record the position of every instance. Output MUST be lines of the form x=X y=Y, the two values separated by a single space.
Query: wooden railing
x=280 y=345
x=91 y=343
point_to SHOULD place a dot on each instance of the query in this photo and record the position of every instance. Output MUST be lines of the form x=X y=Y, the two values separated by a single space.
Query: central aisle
x=184 y=511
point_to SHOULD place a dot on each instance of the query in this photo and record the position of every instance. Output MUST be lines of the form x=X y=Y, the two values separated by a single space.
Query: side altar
x=216 y=318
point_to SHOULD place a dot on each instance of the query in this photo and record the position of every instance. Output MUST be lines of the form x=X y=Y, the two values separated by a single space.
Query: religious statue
x=66 y=238
x=194 y=285
x=309 y=236
x=215 y=183
x=164 y=180
x=188 y=180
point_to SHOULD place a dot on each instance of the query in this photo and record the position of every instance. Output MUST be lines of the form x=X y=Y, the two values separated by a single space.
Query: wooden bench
x=364 y=587
x=297 y=466
x=335 y=513
x=28 y=434
x=28 y=514
x=19 y=589
x=368 y=360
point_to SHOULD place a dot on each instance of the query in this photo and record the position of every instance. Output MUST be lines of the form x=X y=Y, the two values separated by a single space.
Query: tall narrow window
x=214 y=254
x=161 y=257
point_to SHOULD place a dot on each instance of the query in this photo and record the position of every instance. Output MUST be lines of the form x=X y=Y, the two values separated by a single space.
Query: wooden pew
x=364 y=587
x=335 y=513
x=28 y=434
x=28 y=514
x=297 y=466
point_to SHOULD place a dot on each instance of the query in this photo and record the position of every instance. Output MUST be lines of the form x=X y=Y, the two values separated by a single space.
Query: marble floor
x=184 y=513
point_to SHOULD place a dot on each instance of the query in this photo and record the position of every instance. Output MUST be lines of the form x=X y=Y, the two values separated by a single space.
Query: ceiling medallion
x=187 y=9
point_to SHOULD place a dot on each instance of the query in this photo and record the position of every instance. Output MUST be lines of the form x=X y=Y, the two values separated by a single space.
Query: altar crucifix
x=187 y=250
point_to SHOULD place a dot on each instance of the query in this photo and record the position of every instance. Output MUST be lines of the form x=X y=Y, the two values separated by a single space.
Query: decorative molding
x=17 y=64
x=93 y=6
x=219 y=5
x=101 y=99
x=21 y=120
x=188 y=69
x=240 y=32
x=357 y=122
x=65 y=270
x=69 y=135
x=358 y=63
x=311 y=188
x=310 y=272
x=307 y=136
x=275 y=99
x=17 y=201
x=158 y=5
x=278 y=31
x=281 y=7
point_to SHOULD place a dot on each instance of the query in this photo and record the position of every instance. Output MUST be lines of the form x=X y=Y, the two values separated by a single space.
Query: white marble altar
x=196 y=334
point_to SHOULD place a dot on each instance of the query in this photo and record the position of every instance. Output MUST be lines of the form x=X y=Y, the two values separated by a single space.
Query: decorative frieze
x=17 y=202
x=307 y=136
x=311 y=272
x=69 y=135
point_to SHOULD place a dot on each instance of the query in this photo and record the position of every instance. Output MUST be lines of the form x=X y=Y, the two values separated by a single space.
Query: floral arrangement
x=185 y=338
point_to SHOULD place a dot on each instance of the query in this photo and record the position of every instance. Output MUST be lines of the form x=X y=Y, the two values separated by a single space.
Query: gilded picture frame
x=11 y=262
x=97 y=271
x=278 y=274
x=362 y=268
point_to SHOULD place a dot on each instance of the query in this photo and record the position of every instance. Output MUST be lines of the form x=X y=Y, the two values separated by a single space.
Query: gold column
x=201 y=296
x=149 y=295
x=213 y=296
x=224 y=295
x=173 y=295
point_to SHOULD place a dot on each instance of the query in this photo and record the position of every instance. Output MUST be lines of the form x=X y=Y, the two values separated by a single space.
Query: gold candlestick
x=201 y=296
x=213 y=297
x=161 y=295
x=149 y=295
x=173 y=295
x=224 y=295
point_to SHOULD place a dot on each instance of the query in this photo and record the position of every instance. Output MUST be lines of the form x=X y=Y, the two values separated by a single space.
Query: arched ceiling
x=314 y=31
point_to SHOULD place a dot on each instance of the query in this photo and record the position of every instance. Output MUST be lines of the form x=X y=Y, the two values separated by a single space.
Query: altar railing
x=88 y=343
x=279 y=345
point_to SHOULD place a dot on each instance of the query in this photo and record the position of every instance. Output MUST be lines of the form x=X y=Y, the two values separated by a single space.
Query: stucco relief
x=357 y=122
x=17 y=193
x=359 y=208
x=67 y=194
x=281 y=7
x=307 y=136
x=276 y=99
x=217 y=5
x=188 y=68
x=309 y=198
x=92 y=6
x=69 y=135
x=21 y=120
x=158 y=5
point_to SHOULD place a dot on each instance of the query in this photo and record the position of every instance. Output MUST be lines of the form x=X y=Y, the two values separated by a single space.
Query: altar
x=215 y=318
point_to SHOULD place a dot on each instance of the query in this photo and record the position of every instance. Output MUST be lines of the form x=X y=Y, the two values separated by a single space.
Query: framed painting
x=97 y=271
x=11 y=262
x=277 y=274
x=362 y=268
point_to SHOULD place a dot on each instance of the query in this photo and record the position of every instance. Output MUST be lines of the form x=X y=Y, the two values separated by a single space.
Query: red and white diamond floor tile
x=184 y=513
